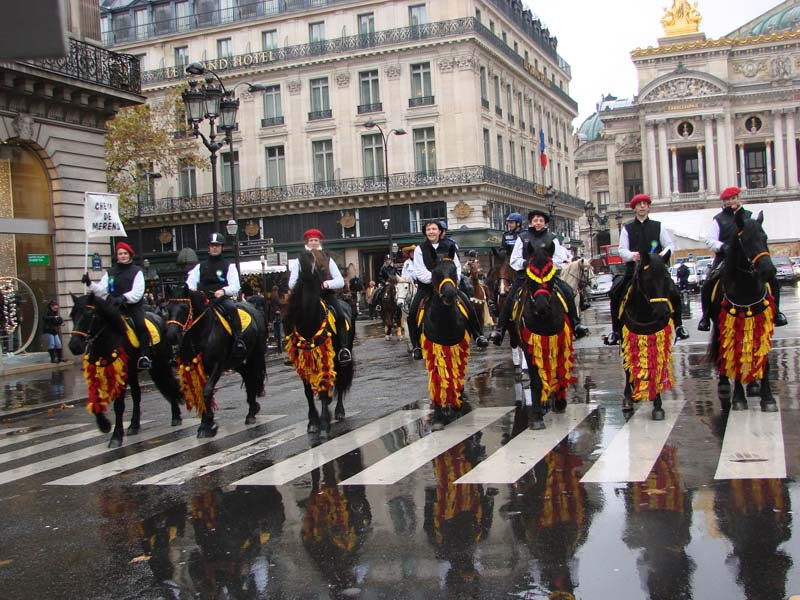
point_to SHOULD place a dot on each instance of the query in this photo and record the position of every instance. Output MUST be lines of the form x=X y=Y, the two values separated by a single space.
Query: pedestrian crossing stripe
x=13 y=436
x=752 y=447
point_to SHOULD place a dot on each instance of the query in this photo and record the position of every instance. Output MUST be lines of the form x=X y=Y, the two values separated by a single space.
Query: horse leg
x=516 y=358
x=119 y=429
x=739 y=400
x=724 y=392
x=136 y=396
x=208 y=428
x=438 y=418
x=753 y=388
x=103 y=424
x=536 y=420
x=313 y=415
x=338 y=412
x=627 y=395
x=658 y=412
x=768 y=403
x=325 y=414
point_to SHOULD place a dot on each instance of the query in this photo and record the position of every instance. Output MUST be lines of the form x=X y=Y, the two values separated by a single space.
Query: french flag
x=542 y=149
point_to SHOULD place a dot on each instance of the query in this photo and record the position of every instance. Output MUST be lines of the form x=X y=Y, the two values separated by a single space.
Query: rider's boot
x=144 y=361
x=239 y=346
x=473 y=323
x=677 y=315
x=344 y=356
x=496 y=336
x=780 y=318
x=705 y=301
x=60 y=355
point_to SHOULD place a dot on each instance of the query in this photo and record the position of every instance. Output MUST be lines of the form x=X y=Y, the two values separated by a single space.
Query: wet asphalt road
x=680 y=533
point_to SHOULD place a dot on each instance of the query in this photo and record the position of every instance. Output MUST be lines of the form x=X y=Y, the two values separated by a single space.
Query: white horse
x=578 y=275
x=405 y=290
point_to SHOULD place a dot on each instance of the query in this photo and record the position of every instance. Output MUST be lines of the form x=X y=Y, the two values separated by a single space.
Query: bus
x=609 y=254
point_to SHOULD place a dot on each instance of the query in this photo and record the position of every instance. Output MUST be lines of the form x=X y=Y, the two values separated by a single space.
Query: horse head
x=444 y=277
x=652 y=282
x=184 y=306
x=90 y=316
x=541 y=272
x=751 y=248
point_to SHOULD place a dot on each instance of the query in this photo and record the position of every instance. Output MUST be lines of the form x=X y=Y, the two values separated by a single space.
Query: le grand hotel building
x=473 y=84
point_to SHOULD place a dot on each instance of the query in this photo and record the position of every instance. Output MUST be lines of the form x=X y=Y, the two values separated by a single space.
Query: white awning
x=253 y=267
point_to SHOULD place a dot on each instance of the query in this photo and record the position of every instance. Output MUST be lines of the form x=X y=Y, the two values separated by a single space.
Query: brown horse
x=480 y=297
x=390 y=312
x=499 y=281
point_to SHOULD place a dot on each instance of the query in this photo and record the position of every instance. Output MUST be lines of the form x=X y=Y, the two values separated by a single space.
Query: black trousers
x=617 y=293
x=136 y=313
x=340 y=314
x=714 y=274
x=425 y=290
x=563 y=287
x=227 y=303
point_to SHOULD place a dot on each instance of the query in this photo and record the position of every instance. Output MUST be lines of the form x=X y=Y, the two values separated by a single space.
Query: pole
x=233 y=200
x=263 y=279
x=214 y=190
x=386 y=178
x=139 y=218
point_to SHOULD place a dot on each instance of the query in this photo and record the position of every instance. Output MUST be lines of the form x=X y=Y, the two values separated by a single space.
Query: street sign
x=256 y=247
x=283 y=258
x=272 y=259
x=40 y=260
x=97 y=262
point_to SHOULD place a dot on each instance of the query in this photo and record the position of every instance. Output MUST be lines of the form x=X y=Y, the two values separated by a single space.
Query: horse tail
x=344 y=375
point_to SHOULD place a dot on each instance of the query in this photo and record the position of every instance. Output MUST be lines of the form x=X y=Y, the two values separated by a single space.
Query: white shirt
x=664 y=239
x=336 y=282
x=132 y=297
x=232 y=289
x=560 y=255
x=712 y=235
x=408 y=269
x=421 y=272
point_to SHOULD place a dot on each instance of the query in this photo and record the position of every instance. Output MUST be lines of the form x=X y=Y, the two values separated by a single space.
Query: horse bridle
x=751 y=261
x=650 y=300
x=190 y=320
x=446 y=279
x=87 y=334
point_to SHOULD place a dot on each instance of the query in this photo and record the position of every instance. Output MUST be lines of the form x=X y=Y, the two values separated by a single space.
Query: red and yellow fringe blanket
x=564 y=497
x=745 y=340
x=648 y=361
x=327 y=518
x=662 y=490
x=105 y=379
x=554 y=358
x=313 y=359
x=452 y=500
x=192 y=378
x=447 y=368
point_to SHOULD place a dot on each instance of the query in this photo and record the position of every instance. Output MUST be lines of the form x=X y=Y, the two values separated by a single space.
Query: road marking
x=634 y=450
x=752 y=447
x=527 y=448
x=209 y=464
x=294 y=467
x=51 y=445
x=128 y=463
x=10 y=436
x=90 y=452
x=398 y=465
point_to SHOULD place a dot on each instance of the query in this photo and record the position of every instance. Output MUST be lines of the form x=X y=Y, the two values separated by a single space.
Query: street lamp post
x=149 y=176
x=263 y=276
x=588 y=210
x=385 y=138
x=551 y=205
x=233 y=230
x=619 y=216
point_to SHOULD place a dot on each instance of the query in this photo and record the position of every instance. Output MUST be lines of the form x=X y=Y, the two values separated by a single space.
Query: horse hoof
x=437 y=426
x=207 y=431
x=627 y=404
x=103 y=424
x=387 y=337
x=115 y=442
x=769 y=406
x=339 y=415
x=132 y=430
x=753 y=388
x=559 y=406
x=658 y=414
x=312 y=428
x=249 y=420
x=537 y=424
x=739 y=405
x=176 y=422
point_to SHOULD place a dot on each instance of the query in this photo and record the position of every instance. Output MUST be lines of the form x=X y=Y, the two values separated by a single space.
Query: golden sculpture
x=681 y=19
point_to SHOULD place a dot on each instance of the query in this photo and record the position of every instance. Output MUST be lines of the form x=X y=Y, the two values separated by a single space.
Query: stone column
x=780 y=169
x=712 y=163
x=730 y=149
x=674 y=153
x=722 y=152
x=652 y=164
x=742 y=169
x=791 y=149
x=663 y=159
x=700 y=169
x=768 y=147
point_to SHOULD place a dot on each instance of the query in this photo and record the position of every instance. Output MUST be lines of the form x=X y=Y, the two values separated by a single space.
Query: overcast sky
x=596 y=38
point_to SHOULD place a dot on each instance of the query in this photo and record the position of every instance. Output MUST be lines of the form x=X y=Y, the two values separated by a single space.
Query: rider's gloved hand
x=85 y=279
x=116 y=301
x=725 y=249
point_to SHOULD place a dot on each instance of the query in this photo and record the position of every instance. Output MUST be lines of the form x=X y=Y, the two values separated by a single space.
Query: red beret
x=312 y=233
x=640 y=198
x=729 y=193
x=124 y=246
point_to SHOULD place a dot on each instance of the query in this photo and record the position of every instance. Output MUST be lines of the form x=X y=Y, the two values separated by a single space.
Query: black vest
x=541 y=239
x=644 y=236
x=213 y=274
x=726 y=219
x=121 y=278
x=443 y=251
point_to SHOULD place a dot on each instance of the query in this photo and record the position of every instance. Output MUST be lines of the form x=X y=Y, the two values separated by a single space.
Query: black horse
x=647 y=328
x=109 y=363
x=742 y=310
x=445 y=339
x=314 y=344
x=204 y=347
x=545 y=334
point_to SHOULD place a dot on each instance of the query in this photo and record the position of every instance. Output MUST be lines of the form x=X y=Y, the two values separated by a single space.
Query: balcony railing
x=97 y=65
x=349 y=44
x=316 y=115
x=271 y=121
x=420 y=101
x=370 y=108
x=352 y=186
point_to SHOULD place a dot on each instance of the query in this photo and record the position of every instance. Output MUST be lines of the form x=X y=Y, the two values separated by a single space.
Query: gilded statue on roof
x=682 y=18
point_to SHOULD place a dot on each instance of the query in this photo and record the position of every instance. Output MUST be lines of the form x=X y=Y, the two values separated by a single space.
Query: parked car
x=703 y=266
x=796 y=262
x=785 y=269
x=693 y=285
x=601 y=285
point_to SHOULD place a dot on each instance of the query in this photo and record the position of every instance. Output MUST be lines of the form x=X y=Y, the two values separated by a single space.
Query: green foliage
x=153 y=137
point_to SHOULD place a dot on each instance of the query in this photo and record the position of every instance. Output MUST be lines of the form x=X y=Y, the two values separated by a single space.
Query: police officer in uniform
x=387 y=271
x=423 y=265
x=510 y=235
x=408 y=264
x=537 y=234
x=642 y=236
x=123 y=286
x=721 y=234
x=218 y=277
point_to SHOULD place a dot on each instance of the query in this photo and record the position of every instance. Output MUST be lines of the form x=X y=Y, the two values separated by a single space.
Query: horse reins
x=89 y=337
x=190 y=320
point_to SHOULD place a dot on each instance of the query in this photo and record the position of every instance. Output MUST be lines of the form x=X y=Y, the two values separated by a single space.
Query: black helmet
x=216 y=238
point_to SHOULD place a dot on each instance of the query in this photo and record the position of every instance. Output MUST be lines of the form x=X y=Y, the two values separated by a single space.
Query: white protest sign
x=101 y=216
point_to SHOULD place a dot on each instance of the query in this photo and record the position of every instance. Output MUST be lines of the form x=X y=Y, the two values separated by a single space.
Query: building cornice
x=721 y=43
